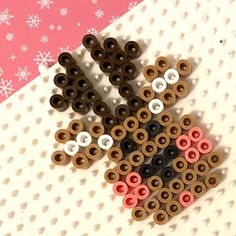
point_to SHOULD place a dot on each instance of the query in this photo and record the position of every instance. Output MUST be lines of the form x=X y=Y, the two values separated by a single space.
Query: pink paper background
x=36 y=31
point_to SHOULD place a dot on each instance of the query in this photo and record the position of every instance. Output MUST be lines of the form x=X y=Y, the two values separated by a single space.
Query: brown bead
x=91 y=96
x=146 y=93
x=122 y=112
x=62 y=136
x=107 y=65
x=111 y=176
x=75 y=126
x=119 y=57
x=140 y=136
x=74 y=72
x=155 y=183
x=135 y=103
x=129 y=70
x=60 y=158
x=212 y=180
x=70 y=93
x=215 y=158
x=66 y=59
x=116 y=78
x=184 y=68
x=168 y=97
x=115 y=154
x=176 y=186
x=109 y=121
x=98 y=53
x=80 y=161
x=58 y=102
x=61 y=80
x=132 y=49
x=164 y=195
x=139 y=213
x=165 y=118
x=180 y=164
x=136 y=158
x=82 y=84
x=201 y=167
x=198 y=189
x=89 y=41
x=189 y=176
x=151 y=205
x=173 y=130
x=187 y=122
x=124 y=167
x=126 y=90
x=93 y=152
x=180 y=89
x=150 y=72
x=80 y=106
x=162 y=64
x=144 y=115
x=160 y=217
x=131 y=124
x=96 y=129
x=173 y=208
x=118 y=132
x=110 y=45
x=162 y=140
x=100 y=108
x=149 y=149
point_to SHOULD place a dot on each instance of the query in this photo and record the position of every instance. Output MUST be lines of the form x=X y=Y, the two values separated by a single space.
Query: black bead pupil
x=168 y=174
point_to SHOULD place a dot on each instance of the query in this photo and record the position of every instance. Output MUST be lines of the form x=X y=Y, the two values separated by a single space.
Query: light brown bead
x=201 y=167
x=115 y=154
x=187 y=122
x=75 y=126
x=155 y=183
x=176 y=186
x=189 y=176
x=160 y=217
x=215 y=158
x=96 y=129
x=124 y=167
x=139 y=213
x=93 y=152
x=212 y=180
x=150 y=72
x=173 y=130
x=140 y=136
x=136 y=158
x=162 y=64
x=180 y=89
x=151 y=205
x=60 y=158
x=180 y=164
x=198 y=189
x=118 y=132
x=184 y=68
x=147 y=93
x=80 y=161
x=173 y=208
x=144 y=115
x=131 y=124
x=149 y=149
x=168 y=97
x=162 y=140
x=111 y=176
x=165 y=118
x=62 y=136
x=164 y=195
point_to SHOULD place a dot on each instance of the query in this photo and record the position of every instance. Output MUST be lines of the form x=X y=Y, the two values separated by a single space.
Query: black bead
x=158 y=162
x=171 y=152
x=153 y=128
x=146 y=171
x=167 y=173
x=127 y=145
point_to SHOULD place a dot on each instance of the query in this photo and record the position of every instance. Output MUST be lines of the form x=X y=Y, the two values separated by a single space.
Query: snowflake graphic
x=9 y=36
x=33 y=21
x=99 y=13
x=24 y=48
x=6 y=87
x=22 y=74
x=45 y=3
x=5 y=17
x=65 y=49
x=44 y=58
x=51 y=27
x=63 y=11
x=92 y=31
x=113 y=19
x=44 y=38
x=132 y=5
x=12 y=57
x=94 y=2
x=1 y=71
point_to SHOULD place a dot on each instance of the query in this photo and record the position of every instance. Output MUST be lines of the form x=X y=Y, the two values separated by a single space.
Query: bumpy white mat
x=38 y=198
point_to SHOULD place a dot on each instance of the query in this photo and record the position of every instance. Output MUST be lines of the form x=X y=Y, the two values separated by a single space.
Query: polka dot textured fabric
x=35 y=32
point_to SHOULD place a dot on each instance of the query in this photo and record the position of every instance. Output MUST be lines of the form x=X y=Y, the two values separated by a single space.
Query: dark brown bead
x=116 y=78
x=110 y=45
x=122 y=111
x=100 y=108
x=129 y=70
x=91 y=96
x=98 y=53
x=58 y=102
x=132 y=49
x=80 y=106
x=106 y=65
x=89 y=41
x=70 y=92
x=119 y=57
x=61 y=80
x=66 y=59
x=73 y=72
x=82 y=84
x=109 y=121
x=126 y=90
x=135 y=103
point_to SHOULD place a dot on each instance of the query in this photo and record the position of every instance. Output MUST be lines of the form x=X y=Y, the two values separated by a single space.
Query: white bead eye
x=159 y=85
x=71 y=147
x=83 y=139
x=171 y=76
x=105 y=141
x=156 y=106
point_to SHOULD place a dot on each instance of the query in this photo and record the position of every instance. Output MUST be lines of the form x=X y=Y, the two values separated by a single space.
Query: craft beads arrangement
x=163 y=163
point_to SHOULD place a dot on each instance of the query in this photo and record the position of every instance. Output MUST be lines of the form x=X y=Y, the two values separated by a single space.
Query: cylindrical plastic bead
x=165 y=118
x=89 y=41
x=140 y=136
x=136 y=158
x=180 y=164
x=205 y=146
x=62 y=136
x=144 y=115
x=198 y=189
x=96 y=129
x=151 y=205
x=132 y=49
x=105 y=141
x=189 y=176
x=141 y=191
x=124 y=167
x=122 y=112
x=187 y=122
x=146 y=93
x=160 y=217
x=156 y=106
x=58 y=102
x=80 y=106
x=149 y=149
x=75 y=126
x=130 y=201
x=159 y=85
x=192 y=155
x=111 y=176
x=186 y=198
x=115 y=154
x=71 y=147
x=60 y=158
x=146 y=171
x=184 y=68
x=201 y=167
x=93 y=152
x=215 y=158
x=195 y=134
x=168 y=97
x=131 y=124
x=118 y=132
x=66 y=59
x=183 y=142
x=83 y=139
x=120 y=188
x=167 y=174
x=150 y=72
x=133 y=179
x=162 y=140
x=171 y=76
x=153 y=128
x=164 y=195
x=139 y=213
x=173 y=208
x=176 y=186
x=80 y=161
x=162 y=64
x=212 y=180
x=155 y=183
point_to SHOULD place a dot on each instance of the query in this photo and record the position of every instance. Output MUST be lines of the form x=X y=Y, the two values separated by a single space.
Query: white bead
x=71 y=147
x=105 y=141
x=171 y=76
x=83 y=139
x=159 y=85
x=156 y=106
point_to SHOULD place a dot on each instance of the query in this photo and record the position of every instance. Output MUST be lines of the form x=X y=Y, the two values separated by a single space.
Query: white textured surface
x=38 y=198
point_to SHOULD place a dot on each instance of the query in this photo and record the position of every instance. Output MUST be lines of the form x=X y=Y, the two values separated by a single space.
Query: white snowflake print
x=22 y=74
x=132 y=5
x=45 y=3
x=1 y=71
x=5 y=17
x=63 y=11
x=99 y=13
x=44 y=38
x=113 y=19
x=12 y=57
x=44 y=58
x=24 y=48
x=6 y=87
x=64 y=49
x=92 y=31
x=33 y=21
x=9 y=37
x=51 y=27
x=94 y=2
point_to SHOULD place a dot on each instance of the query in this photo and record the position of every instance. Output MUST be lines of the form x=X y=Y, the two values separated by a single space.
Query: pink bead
x=120 y=188
x=191 y=155
x=186 y=198
x=141 y=191
x=133 y=179
x=204 y=146
x=183 y=142
x=130 y=201
x=195 y=134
